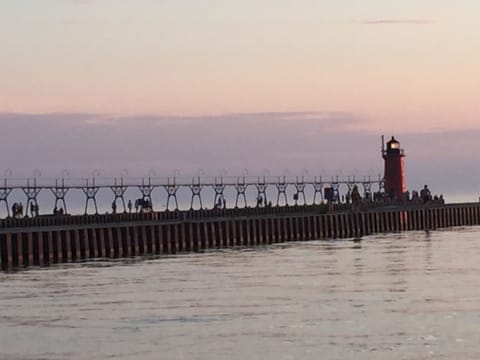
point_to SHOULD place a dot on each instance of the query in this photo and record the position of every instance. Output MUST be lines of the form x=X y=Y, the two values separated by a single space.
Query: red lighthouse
x=394 y=178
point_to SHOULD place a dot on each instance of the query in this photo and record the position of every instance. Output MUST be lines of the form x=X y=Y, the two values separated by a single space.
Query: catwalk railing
x=196 y=193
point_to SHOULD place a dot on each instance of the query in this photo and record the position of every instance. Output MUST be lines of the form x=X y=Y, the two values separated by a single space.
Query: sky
x=232 y=84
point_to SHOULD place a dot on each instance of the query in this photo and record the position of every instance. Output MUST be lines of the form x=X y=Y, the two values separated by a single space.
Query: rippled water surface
x=400 y=296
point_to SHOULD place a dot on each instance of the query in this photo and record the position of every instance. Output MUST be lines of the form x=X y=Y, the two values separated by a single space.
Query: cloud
x=396 y=22
x=324 y=143
x=328 y=121
x=82 y=142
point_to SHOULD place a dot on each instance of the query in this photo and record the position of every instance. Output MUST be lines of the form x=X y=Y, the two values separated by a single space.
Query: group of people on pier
x=58 y=211
x=221 y=203
x=17 y=210
x=423 y=197
x=356 y=201
x=141 y=205
x=262 y=202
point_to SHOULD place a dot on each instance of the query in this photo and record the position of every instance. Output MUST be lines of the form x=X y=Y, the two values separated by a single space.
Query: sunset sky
x=390 y=62
x=394 y=67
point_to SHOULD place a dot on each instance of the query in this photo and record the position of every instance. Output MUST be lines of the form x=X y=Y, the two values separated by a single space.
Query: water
x=413 y=295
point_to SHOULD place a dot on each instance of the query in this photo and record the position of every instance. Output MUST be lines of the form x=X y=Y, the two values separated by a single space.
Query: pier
x=44 y=240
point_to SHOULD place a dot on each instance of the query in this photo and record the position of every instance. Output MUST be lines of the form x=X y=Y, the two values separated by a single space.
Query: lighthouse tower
x=394 y=178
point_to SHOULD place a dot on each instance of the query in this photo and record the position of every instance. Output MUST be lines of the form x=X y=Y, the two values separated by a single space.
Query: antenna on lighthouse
x=383 y=144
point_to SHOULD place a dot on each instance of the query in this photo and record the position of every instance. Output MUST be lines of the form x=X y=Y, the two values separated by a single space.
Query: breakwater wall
x=44 y=240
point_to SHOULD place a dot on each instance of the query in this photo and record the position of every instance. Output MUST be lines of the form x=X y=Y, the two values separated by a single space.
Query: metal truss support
x=171 y=189
x=318 y=189
x=335 y=184
x=59 y=191
x=282 y=191
x=261 y=186
x=367 y=188
x=146 y=190
x=196 y=189
x=90 y=191
x=300 y=188
x=241 y=187
x=219 y=199
x=119 y=192
x=4 y=193
x=381 y=183
x=350 y=185
x=32 y=192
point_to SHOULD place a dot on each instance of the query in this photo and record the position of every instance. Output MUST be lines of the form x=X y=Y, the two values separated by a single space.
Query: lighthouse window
x=394 y=146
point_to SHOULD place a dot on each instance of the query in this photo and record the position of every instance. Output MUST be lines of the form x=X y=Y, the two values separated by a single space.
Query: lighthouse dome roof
x=393 y=141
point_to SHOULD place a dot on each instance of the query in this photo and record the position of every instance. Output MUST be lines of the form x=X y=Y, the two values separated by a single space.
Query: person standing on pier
x=425 y=194
x=356 y=199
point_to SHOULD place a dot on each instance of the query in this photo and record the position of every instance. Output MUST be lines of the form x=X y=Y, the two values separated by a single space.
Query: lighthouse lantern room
x=394 y=177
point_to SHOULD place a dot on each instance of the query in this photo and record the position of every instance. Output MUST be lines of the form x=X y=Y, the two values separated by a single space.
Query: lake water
x=413 y=295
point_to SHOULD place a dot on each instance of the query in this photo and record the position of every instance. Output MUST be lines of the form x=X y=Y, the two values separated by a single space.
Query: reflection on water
x=406 y=296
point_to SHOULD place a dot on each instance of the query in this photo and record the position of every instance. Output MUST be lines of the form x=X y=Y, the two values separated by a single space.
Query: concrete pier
x=43 y=241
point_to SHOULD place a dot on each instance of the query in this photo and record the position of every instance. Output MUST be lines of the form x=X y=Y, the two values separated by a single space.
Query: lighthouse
x=394 y=178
